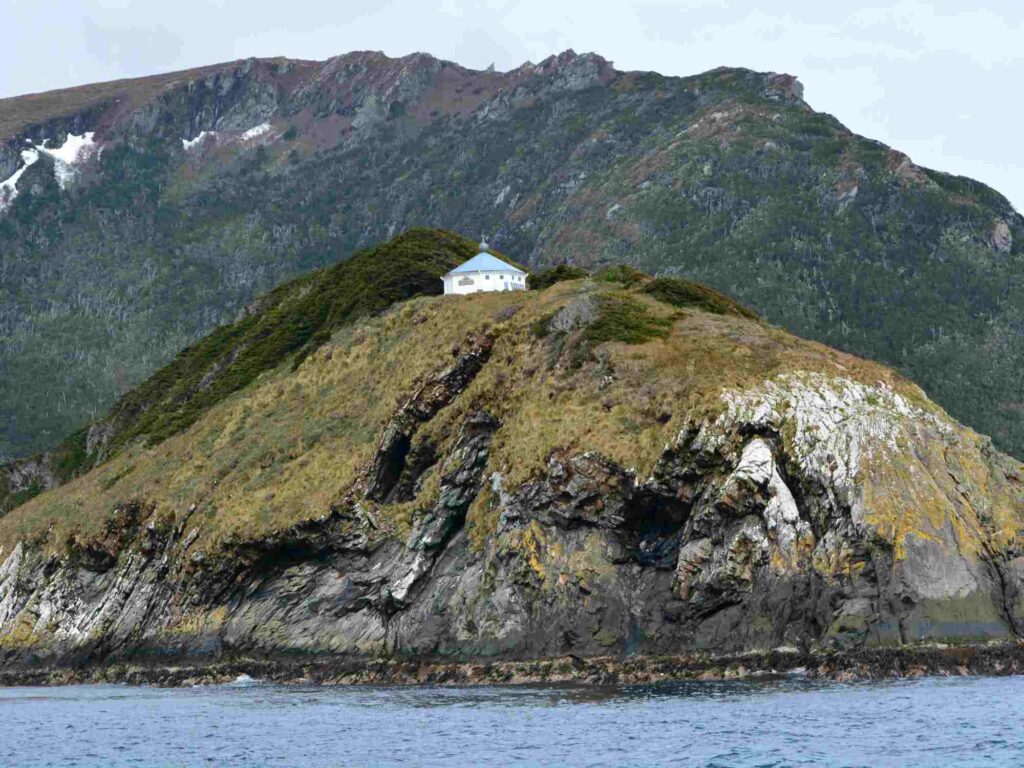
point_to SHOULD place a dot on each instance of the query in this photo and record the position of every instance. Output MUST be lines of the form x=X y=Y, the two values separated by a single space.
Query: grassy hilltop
x=268 y=420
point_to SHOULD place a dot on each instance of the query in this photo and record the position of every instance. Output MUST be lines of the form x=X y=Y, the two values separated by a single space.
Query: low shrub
x=685 y=294
x=541 y=280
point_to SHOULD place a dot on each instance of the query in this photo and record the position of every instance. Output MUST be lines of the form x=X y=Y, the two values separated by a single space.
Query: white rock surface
x=188 y=144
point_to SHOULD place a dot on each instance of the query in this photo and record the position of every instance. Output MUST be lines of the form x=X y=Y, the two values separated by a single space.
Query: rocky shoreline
x=479 y=525
x=869 y=664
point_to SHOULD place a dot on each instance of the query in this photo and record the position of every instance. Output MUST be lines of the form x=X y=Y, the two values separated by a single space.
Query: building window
x=487 y=277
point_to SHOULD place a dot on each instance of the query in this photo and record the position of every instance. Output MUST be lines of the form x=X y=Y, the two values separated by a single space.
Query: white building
x=484 y=272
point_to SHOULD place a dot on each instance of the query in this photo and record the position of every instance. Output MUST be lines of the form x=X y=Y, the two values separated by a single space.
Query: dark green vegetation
x=622 y=318
x=623 y=274
x=284 y=325
x=683 y=293
x=541 y=280
x=288 y=323
x=728 y=178
x=669 y=290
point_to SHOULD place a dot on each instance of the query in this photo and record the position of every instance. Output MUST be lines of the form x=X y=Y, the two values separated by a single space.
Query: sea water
x=787 y=722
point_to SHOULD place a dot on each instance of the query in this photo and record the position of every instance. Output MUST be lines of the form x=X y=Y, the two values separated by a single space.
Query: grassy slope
x=287 y=324
x=280 y=328
x=286 y=446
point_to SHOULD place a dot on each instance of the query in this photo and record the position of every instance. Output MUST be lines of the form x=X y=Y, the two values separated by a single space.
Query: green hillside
x=728 y=178
x=282 y=327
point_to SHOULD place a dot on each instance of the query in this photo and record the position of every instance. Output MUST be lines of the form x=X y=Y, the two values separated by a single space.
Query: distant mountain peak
x=210 y=185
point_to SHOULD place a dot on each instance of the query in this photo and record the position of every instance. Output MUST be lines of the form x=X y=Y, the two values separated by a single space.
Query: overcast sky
x=940 y=80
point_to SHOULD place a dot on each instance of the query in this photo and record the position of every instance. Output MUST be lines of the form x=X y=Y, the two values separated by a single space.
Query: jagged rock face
x=211 y=186
x=760 y=527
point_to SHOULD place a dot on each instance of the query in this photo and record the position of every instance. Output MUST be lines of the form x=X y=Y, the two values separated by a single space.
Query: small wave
x=244 y=681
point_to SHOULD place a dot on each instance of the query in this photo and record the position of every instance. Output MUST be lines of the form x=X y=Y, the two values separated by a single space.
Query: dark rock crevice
x=437 y=392
x=1008 y=577
x=434 y=528
x=420 y=458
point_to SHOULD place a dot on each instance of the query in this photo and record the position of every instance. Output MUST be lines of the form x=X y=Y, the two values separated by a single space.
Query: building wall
x=479 y=282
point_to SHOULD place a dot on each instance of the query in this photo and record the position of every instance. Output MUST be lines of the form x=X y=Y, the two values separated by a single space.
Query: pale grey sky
x=939 y=80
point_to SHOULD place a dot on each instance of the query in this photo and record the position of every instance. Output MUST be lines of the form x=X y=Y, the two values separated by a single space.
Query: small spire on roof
x=483 y=243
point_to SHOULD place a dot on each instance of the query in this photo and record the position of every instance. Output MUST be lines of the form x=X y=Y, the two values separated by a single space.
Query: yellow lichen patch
x=23 y=635
x=782 y=561
x=991 y=485
x=534 y=545
x=556 y=566
x=836 y=562
x=199 y=622
x=942 y=490
x=901 y=500
x=586 y=565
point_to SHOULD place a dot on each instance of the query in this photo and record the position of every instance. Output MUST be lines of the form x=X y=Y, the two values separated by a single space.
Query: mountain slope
x=611 y=465
x=214 y=185
x=285 y=324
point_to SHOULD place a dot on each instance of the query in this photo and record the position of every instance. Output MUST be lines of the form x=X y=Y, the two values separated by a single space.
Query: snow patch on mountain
x=9 y=187
x=256 y=132
x=66 y=161
x=248 y=135
x=69 y=155
x=187 y=144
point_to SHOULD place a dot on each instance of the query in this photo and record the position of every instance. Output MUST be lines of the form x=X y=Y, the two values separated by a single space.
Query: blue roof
x=485 y=262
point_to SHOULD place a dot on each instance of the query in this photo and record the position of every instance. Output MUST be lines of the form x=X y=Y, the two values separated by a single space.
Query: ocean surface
x=794 y=721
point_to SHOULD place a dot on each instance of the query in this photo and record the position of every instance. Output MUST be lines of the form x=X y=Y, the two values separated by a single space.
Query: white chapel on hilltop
x=484 y=272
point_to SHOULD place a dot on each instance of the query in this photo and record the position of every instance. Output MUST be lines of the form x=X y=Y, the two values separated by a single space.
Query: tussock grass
x=541 y=280
x=687 y=294
x=283 y=326
x=288 y=324
x=623 y=318
x=622 y=274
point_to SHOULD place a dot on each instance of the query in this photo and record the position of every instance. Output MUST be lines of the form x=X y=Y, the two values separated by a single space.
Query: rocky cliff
x=610 y=466
x=139 y=215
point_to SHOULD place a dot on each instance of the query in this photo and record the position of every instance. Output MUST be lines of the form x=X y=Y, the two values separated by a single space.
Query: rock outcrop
x=823 y=508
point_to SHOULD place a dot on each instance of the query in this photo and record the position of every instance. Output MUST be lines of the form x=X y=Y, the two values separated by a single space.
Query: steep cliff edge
x=611 y=466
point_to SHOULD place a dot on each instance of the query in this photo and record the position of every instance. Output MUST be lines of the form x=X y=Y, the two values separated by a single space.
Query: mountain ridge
x=727 y=177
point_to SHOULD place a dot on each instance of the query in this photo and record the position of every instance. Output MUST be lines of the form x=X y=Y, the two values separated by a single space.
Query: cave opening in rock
x=655 y=522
